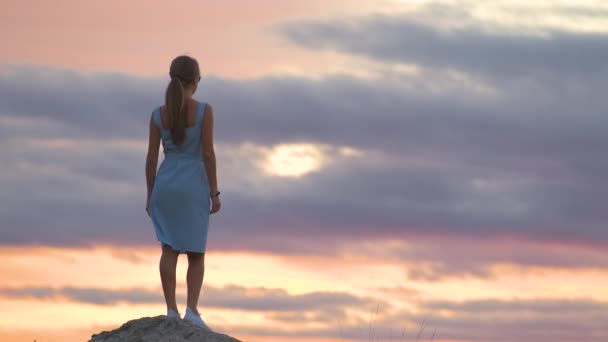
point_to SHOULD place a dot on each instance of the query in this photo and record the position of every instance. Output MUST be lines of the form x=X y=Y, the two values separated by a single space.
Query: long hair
x=184 y=70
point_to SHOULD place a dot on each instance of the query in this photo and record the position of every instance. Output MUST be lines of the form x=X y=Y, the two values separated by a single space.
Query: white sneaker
x=172 y=314
x=195 y=318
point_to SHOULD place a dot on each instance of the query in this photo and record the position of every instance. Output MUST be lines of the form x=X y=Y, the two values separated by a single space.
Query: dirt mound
x=161 y=329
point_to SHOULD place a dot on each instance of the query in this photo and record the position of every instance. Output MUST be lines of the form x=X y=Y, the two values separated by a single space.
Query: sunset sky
x=438 y=168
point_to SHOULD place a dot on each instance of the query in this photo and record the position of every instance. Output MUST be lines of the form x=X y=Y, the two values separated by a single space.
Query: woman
x=184 y=192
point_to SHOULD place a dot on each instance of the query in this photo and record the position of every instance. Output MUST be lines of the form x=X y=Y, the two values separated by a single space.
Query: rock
x=160 y=329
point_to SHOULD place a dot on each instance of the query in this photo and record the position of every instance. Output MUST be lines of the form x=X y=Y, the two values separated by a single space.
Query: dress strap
x=156 y=117
x=200 y=112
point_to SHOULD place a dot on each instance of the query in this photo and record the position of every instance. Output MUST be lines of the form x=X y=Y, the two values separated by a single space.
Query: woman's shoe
x=172 y=314
x=195 y=318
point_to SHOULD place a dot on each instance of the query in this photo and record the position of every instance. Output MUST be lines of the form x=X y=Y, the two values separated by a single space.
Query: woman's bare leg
x=168 y=264
x=194 y=278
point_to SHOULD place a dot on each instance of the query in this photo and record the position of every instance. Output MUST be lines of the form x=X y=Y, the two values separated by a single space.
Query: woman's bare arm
x=207 y=151
x=152 y=158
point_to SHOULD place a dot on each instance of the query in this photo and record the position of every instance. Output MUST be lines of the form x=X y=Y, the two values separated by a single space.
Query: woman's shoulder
x=202 y=103
x=205 y=107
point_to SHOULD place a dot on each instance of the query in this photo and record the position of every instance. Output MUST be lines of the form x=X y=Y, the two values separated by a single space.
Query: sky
x=390 y=170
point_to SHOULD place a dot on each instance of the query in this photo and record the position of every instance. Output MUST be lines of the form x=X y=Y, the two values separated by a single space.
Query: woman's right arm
x=208 y=152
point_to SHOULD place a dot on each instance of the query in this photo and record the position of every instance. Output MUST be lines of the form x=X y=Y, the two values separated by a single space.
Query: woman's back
x=179 y=204
x=192 y=144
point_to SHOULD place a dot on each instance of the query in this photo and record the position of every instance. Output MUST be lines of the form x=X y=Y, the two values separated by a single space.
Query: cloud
x=452 y=37
x=451 y=162
x=85 y=295
x=345 y=315
x=436 y=258
x=230 y=297
x=543 y=319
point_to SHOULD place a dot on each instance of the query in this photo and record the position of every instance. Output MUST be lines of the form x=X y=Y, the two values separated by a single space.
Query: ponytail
x=184 y=71
x=174 y=102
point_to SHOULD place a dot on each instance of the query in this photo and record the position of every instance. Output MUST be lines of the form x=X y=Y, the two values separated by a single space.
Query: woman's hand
x=215 y=204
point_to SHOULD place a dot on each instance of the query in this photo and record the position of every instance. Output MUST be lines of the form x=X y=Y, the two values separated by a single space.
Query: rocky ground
x=161 y=329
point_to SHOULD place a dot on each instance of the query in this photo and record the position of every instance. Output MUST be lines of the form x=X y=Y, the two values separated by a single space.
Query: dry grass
x=372 y=330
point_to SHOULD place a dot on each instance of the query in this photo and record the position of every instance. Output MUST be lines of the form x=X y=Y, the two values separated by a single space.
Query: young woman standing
x=183 y=193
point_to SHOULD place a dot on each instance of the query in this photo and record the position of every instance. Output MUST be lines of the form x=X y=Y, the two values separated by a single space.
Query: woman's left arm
x=152 y=158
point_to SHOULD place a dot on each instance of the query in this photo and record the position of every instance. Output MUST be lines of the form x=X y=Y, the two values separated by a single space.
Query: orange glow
x=123 y=268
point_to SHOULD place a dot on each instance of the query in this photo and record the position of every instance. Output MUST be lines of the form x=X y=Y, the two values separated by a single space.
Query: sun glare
x=293 y=160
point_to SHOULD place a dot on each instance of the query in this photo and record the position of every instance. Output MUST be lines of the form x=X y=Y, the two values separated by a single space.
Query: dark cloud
x=525 y=161
x=85 y=295
x=85 y=104
x=471 y=46
x=233 y=297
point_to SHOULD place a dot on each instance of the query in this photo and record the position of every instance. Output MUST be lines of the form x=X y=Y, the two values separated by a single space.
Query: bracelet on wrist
x=217 y=193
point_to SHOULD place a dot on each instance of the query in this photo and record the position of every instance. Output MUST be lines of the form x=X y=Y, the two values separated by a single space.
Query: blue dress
x=180 y=202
